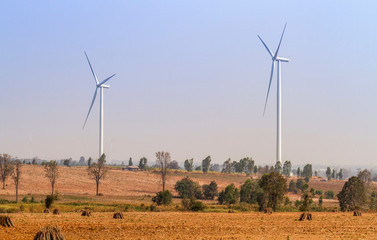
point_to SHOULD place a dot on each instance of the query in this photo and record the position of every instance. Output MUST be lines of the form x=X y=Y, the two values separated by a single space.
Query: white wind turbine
x=100 y=86
x=276 y=58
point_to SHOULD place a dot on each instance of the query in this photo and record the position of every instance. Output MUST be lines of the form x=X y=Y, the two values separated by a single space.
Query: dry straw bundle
x=5 y=221
x=49 y=233
x=305 y=216
x=56 y=211
x=356 y=213
x=118 y=215
x=268 y=210
x=86 y=213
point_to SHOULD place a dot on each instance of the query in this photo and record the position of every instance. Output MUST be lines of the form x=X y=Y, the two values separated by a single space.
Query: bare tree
x=6 y=167
x=163 y=160
x=98 y=170
x=16 y=175
x=52 y=173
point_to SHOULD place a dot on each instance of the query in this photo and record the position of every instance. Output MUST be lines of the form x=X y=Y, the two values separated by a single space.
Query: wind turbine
x=278 y=60
x=100 y=86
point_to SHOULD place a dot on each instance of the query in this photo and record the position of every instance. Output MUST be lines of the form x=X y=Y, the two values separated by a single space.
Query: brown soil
x=187 y=225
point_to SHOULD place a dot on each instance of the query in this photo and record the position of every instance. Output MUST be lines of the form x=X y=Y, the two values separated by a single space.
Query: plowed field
x=182 y=225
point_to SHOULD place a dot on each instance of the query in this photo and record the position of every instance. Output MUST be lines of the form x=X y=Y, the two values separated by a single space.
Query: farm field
x=118 y=184
x=187 y=225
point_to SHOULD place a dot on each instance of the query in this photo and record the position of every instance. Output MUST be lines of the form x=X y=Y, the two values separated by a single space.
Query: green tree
x=205 y=164
x=187 y=188
x=340 y=174
x=250 y=191
x=143 y=163
x=320 y=201
x=292 y=186
x=249 y=166
x=227 y=166
x=307 y=171
x=353 y=194
x=210 y=190
x=287 y=168
x=365 y=176
x=298 y=172
x=89 y=162
x=278 y=167
x=162 y=198
x=229 y=196
x=130 y=163
x=189 y=164
x=329 y=194
x=328 y=173
x=307 y=201
x=299 y=183
x=274 y=186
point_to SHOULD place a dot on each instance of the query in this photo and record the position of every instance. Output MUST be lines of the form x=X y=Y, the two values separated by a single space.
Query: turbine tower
x=100 y=86
x=278 y=60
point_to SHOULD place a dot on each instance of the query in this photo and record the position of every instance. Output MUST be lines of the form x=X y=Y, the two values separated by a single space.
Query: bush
x=192 y=204
x=49 y=200
x=229 y=196
x=329 y=194
x=197 y=206
x=186 y=203
x=292 y=186
x=187 y=188
x=210 y=191
x=162 y=198
x=318 y=192
x=25 y=200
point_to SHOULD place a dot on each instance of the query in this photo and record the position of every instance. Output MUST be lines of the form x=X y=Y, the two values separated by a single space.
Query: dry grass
x=197 y=226
x=75 y=181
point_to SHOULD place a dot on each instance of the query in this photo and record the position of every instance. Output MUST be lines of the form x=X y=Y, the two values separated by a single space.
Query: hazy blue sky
x=191 y=79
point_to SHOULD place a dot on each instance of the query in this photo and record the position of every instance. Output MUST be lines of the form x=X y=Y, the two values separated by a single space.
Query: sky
x=191 y=79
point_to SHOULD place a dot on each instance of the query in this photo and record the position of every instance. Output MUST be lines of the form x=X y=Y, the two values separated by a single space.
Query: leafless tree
x=6 y=167
x=52 y=173
x=16 y=175
x=98 y=170
x=163 y=160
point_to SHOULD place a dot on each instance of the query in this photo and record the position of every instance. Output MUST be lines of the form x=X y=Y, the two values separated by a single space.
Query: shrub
x=329 y=194
x=187 y=188
x=230 y=195
x=197 y=206
x=49 y=200
x=25 y=200
x=292 y=186
x=210 y=191
x=299 y=183
x=186 y=203
x=318 y=192
x=162 y=198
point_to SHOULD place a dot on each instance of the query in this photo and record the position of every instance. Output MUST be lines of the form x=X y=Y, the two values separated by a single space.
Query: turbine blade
x=94 y=74
x=107 y=79
x=269 y=85
x=269 y=51
x=91 y=105
x=281 y=38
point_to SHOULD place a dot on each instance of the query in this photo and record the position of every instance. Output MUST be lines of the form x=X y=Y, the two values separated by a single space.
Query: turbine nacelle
x=281 y=59
x=103 y=86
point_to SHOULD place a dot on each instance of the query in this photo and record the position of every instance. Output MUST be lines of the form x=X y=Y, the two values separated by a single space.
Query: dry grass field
x=186 y=225
x=75 y=181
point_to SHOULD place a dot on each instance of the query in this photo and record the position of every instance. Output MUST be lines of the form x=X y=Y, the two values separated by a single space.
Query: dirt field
x=75 y=181
x=178 y=225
